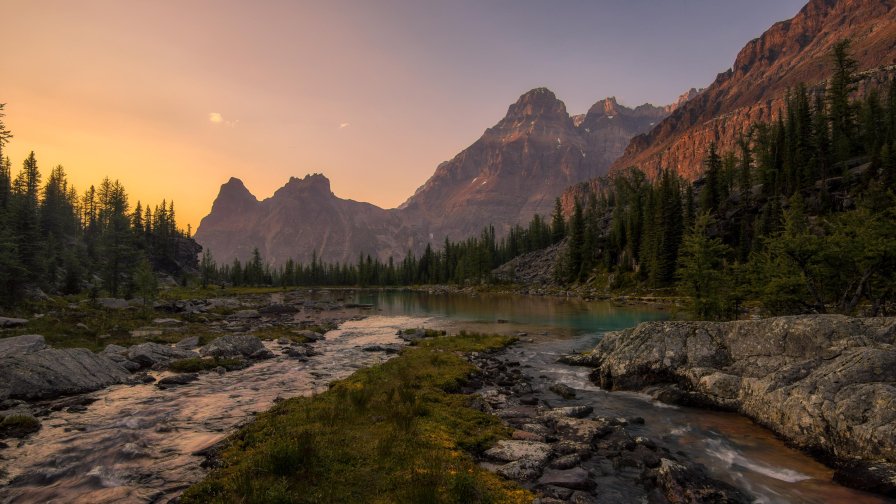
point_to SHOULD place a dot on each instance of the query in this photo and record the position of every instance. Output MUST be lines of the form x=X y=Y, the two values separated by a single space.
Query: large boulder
x=27 y=343
x=52 y=372
x=150 y=354
x=233 y=345
x=826 y=383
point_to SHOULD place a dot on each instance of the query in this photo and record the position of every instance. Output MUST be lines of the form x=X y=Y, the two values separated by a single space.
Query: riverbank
x=826 y=384
x=398 y=432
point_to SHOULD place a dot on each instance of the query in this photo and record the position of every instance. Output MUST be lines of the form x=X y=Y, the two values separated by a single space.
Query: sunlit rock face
x=787 y=54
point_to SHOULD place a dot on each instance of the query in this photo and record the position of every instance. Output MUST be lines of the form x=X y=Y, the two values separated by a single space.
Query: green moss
x=18 y=426
x=277 y=332
x=389 y=433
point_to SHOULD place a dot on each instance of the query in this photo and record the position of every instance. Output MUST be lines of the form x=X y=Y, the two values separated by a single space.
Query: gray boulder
x=826 y=383
x=149 y=354
x=27 y=343
x=52 y=372
x=233 y=345
x=188 y=343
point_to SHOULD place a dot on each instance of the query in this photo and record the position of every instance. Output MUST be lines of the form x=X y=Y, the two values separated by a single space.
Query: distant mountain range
x=514 y=171
x=537 y=151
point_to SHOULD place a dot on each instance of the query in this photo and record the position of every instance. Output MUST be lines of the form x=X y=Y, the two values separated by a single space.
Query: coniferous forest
x=54 y=239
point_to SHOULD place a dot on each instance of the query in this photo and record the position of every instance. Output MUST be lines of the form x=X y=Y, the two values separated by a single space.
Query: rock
x=511 y=451
x=188 y=343
x=146 y=332
x=233 y=345
x=27 y=343
x=566 y=461
x=148 y=355
x=222 y=303
x=389 y=349
x=822 y=382
x=262 y=354
x=7 y=322
x=176 y=380
x=869 y=476
x=18 y=425
x=244 y=315
x=139 y=378
x=310 y=335
x=683 y=484
x=563 y=390
x=166 y=321
x=278 y=309
x=520 y=470
x=522 y=435
x=575 y=478
x=52 y=372
x=113 y=303
x=568 y=412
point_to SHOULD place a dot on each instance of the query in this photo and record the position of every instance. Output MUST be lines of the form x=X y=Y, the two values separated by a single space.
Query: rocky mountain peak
x=537 y=103
x=233 y=194
x=314 y=183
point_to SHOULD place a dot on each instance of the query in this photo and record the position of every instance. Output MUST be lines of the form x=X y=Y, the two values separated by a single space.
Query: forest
x=56 y=240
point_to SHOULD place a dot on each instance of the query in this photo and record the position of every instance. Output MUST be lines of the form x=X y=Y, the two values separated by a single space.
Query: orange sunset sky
x=174 y=97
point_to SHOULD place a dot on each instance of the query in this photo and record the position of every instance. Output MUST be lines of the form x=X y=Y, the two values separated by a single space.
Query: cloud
x=218 y=118
x=344 y=125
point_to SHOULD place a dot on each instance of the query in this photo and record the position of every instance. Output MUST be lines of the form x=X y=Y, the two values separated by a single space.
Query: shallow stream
x=140 y=443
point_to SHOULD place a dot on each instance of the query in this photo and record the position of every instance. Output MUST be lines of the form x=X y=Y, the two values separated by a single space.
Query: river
x=139 y=443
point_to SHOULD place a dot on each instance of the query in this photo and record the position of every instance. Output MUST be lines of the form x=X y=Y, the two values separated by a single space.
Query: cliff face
x=515 y=170
x=302 y=219
x=520 y=165
x=790 y=52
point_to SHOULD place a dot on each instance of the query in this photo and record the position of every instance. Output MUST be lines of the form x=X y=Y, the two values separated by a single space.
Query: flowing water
x=140 y=444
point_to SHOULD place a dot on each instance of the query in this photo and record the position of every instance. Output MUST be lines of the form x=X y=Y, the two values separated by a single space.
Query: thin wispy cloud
x=344 y=125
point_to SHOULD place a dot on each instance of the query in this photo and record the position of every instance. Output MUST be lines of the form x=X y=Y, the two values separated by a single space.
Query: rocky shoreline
x=563 y=453
x=823 y=383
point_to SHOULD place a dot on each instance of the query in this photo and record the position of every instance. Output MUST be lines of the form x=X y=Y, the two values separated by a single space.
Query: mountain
x=520 y=165
x=515 y=170
x=303 y=218
x=790 y=52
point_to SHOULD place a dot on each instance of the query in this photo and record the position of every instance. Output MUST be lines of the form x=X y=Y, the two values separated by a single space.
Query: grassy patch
x=18 y=426
x=390 y=433
x=277 y=332
x=196 y=364
x=425 y=333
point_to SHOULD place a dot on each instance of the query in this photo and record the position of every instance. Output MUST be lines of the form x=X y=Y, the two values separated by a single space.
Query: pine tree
x=558 y=224
x=842 y=113
x=701 y=269
x=709 y=196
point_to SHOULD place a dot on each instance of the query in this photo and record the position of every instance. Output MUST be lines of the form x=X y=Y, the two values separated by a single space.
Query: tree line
x=59 y=241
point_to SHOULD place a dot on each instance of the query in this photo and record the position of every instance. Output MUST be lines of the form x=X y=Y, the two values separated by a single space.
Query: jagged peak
x=538 y=102
x=234 y=188
x=313 y=183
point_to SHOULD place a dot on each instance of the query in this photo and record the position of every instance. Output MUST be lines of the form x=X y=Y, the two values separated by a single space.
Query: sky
x=174 y=97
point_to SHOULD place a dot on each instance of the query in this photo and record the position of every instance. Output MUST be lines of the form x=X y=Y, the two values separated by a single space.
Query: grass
x=196 y=364
x=276 y=332
x=427 y=333
x=391 y=433
x=18 y=426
